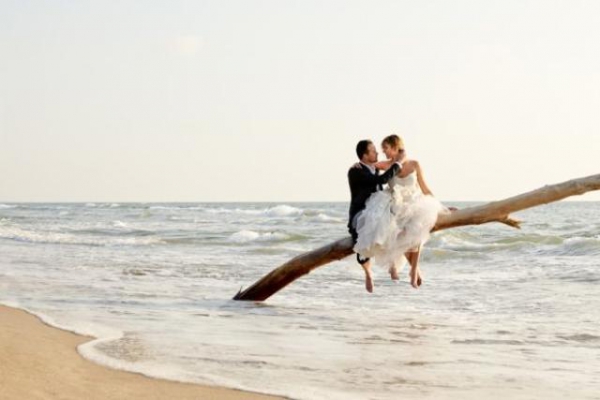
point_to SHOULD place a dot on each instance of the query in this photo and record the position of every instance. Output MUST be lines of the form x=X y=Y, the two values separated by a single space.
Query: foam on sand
x=39 y=362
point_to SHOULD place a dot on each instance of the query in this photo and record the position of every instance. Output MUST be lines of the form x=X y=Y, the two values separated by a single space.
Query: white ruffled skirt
x=393 y=223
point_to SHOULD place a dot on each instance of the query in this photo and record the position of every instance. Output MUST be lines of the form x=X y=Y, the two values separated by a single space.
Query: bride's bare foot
x=415 y=272
x=415 y=278
x=394 y=273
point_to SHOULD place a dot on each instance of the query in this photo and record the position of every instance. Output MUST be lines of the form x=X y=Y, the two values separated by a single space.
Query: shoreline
x=38 y=361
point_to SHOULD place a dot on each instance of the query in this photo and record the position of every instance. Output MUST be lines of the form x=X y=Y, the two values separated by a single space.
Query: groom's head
x=366 y=152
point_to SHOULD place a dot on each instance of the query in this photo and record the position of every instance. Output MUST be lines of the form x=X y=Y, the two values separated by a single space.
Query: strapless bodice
x=406 y=187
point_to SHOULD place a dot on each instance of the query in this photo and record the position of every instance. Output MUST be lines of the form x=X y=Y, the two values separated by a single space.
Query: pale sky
x=265 y=100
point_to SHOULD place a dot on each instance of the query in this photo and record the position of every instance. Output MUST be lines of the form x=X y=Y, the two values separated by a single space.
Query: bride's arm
x=384 y=165
x=424 y=188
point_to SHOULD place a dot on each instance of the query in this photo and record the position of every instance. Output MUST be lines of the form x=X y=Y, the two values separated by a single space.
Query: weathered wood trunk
x=295 y=268
x=498 y=211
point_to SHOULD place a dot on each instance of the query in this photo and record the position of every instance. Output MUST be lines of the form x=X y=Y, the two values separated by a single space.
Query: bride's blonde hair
x=394 y=141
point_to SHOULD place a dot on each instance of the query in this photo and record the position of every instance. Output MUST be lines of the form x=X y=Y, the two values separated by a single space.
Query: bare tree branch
x=498 y=211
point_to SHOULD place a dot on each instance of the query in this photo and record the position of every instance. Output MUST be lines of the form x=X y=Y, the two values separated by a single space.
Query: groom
x=364 y=180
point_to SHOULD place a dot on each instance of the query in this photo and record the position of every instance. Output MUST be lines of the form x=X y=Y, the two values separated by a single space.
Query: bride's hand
x=357 y=165
x=448 y=210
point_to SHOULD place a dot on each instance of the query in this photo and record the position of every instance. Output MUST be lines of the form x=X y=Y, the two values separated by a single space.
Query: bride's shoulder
x=411 y=164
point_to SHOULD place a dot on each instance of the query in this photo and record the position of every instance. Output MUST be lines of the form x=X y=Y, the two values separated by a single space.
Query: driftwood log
x=497 y=211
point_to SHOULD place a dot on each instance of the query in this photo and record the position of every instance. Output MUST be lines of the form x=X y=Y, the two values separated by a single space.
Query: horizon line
x=249 y=201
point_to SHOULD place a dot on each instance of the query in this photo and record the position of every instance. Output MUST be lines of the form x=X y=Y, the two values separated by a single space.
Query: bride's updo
x=394 y=141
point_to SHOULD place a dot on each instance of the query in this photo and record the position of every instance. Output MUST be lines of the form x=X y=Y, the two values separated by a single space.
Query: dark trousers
x=354 y=235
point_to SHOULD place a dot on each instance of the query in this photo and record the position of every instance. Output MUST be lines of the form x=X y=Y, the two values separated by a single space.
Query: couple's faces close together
x=387 y=150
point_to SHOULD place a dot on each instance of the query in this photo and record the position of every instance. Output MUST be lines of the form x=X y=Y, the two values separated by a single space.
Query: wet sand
x=41 y=362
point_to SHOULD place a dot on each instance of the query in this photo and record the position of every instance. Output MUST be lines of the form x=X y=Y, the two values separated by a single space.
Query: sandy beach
x=41 y=362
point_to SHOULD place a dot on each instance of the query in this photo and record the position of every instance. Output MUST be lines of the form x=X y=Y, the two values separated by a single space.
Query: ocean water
x=502 y=312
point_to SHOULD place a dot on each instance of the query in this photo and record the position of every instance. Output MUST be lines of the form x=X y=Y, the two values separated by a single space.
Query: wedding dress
x=396 y=220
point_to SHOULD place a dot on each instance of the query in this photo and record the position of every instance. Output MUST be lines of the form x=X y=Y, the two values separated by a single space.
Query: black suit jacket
x=362 y=184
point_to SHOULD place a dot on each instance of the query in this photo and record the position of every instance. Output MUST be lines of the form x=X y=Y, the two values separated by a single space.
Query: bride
x=396 y=221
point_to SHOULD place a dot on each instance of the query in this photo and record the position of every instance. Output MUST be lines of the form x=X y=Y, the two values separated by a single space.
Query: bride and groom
x=390 y=225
